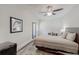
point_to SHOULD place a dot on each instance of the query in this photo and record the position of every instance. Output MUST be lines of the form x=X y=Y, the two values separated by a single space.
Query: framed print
x=16 y=25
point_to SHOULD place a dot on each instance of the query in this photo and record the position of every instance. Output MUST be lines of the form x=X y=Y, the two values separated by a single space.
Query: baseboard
x=24 y=46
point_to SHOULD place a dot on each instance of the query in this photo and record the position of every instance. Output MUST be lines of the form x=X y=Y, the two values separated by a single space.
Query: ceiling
x=42 y=7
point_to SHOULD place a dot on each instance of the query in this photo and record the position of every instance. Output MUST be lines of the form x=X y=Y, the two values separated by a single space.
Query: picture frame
x=16 y=25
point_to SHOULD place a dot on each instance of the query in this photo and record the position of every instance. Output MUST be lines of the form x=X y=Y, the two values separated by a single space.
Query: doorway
x=35 y=29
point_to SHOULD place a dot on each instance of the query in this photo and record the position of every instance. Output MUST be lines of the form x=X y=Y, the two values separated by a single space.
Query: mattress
x=56 y=42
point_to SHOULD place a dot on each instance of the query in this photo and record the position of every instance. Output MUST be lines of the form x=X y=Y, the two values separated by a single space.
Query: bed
x=57 y=44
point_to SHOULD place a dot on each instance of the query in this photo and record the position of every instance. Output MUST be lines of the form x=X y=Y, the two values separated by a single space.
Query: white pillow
x=63 y=35
x=71 y=36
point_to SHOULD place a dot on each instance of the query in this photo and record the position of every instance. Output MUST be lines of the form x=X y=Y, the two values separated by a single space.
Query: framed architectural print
x=16 y=25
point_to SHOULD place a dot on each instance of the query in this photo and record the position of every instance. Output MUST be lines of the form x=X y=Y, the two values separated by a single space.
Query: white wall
x=53 y=25
x=71 y=19
x=24 y=12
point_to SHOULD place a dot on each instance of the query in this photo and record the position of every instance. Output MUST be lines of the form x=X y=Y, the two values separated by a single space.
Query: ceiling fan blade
x=53 y=13
x=58 y=9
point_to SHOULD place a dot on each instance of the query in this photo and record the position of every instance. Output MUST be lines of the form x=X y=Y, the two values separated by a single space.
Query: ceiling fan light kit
x=50 y=11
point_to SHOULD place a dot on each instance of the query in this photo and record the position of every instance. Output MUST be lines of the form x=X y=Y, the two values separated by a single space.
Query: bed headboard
x=74 y=29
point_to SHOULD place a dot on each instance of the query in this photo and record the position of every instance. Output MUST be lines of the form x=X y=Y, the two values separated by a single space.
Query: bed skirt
x=53 y=51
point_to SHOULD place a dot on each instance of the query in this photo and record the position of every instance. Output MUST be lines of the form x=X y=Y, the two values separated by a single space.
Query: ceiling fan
x=50 y=11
